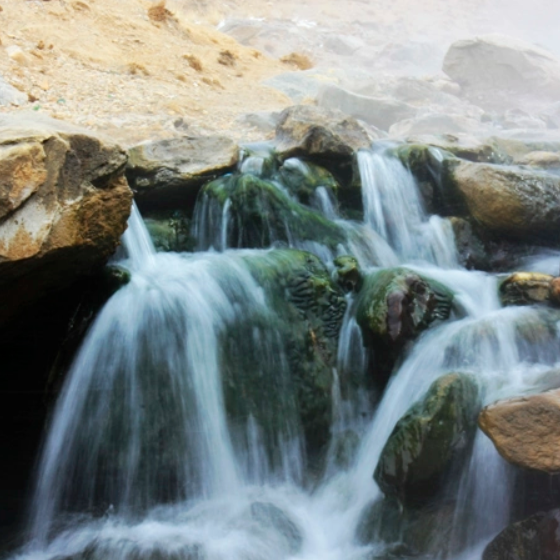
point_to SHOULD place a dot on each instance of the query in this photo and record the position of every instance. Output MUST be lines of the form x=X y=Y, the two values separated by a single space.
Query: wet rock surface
x=434 y=434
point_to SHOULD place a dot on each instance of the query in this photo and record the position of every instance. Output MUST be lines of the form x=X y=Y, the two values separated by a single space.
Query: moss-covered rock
x=302 y=178
x=435 y=434
x=260 y=214
x=394 y=306
x=170 y=231
x=348 y=273
x=306 y=314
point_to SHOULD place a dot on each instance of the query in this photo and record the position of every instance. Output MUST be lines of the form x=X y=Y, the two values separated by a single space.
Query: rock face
x=494 y=64
x=318 y=132
x=428 y=440
x=64 y=202
x=378 y=111
x=534 y=538
x=526 y=430
x=526 y=288
x=169 y=173
x=512 y=202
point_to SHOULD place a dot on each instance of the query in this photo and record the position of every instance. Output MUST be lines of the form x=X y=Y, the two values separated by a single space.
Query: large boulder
x=64 y=203
x=508 y=201
x=167 y=174
x=306 y=130
x=526 y=430
x=435 y=434
x=534 y=538
x=496 y=69
x=381 y=112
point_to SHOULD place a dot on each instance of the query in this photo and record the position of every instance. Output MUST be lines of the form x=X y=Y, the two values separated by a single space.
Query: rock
x=167 y=174
x=393 y=307
x=303 y=178
x=64 y=203
x=9 y=95
x=555 y=290
x=534 y=538
x=306 y=311
x=437 y=122
x=543 y=160
x=526 y=430
x=263 y=121
x=470 y=248
x=495 y=69
x=348 y=273
x=378 y=111
x=304 y=130
x=396 y=305
x=259 y=214
x=300 y=85
x=170 y=231
x=511 y=202
x=435 y=434
x=525 y=288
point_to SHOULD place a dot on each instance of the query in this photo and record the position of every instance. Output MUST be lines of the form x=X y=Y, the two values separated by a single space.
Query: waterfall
x=143 y=460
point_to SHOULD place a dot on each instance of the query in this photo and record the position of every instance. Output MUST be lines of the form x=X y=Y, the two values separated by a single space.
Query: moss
x=302 y=178
x=260 y=214
x=429 y=439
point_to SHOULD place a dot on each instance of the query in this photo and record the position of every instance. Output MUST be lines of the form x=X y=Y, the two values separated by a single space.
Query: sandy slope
x=106 y=65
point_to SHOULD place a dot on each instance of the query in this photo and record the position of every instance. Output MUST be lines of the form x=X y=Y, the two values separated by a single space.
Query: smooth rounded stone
x=534 y=538
x=271 y=516
x=167 y=174
x=306 y=130
x=64 y=204
x=381 y=112
x=512 y=202
x=433 y=436
x=9 y=95
x=526 y=430
x=525 y=288
x=497 y=69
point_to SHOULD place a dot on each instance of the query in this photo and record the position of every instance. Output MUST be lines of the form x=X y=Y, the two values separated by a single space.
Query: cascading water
x=142 y=461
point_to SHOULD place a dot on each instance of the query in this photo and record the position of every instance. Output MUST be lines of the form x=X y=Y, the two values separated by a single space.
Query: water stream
x=141 y=460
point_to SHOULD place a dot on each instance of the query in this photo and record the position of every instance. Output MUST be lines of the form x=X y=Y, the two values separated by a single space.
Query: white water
x=153 y=352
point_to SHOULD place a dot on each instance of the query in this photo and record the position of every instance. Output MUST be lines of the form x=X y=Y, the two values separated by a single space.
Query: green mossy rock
x=302 y=178
x=170 y=231
x=435 y=434
x=348 y=273
x=306 y=312
x=260 y=214
x=395 y=305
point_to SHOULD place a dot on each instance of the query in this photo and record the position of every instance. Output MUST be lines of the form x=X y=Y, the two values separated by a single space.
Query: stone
x=534 y=538
x=496 y=69
x=305 y=130
x=382 y=112
x=471 y=251
x=434 y=435
x=525 y=288
x=167 y=174
x=9 y=95
x=348 y=273
x=555 y=290
x=526 y=430
x=270 y=516
x=511 y=202
x=436 y=122
x=64 y=204
x=543 y=160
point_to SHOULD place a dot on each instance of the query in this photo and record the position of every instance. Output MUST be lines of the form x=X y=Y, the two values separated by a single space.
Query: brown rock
x=324 y=133
x=509 y=201
x=64 y=203
x=526 y=288
x=555 y=290
x=526 y=430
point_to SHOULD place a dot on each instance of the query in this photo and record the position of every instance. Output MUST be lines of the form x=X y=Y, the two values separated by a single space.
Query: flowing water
x=142 y=461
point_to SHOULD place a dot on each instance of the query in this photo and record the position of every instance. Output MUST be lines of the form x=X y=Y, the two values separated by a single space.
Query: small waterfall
x=394 y=210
